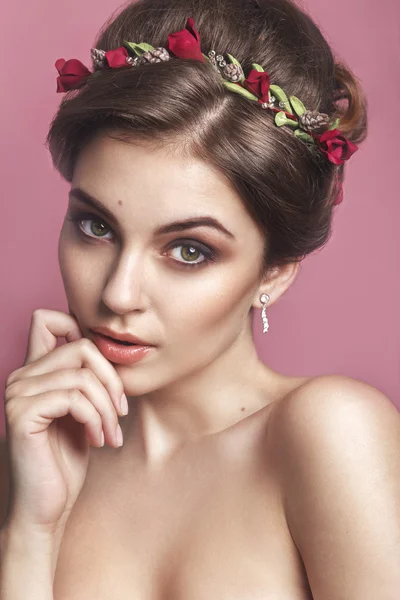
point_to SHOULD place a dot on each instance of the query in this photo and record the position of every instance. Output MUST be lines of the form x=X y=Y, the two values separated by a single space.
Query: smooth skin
x=56 y=404
x=234 y=481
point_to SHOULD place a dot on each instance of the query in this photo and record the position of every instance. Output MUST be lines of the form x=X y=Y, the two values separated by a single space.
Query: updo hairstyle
x=287 y=187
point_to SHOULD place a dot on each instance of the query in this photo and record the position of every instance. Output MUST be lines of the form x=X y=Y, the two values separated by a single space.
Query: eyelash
x=209 y=254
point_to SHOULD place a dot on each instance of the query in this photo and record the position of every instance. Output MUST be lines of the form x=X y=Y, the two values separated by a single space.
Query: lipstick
x=119 y=352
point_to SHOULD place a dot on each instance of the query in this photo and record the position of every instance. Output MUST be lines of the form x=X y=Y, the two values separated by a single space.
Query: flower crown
x=256 y=87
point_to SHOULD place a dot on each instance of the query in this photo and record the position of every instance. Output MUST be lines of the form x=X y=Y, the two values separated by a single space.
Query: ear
x=278 y=280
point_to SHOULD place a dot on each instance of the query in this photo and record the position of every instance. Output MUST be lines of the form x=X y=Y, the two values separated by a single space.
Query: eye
x=194 y=249
x=99 y=227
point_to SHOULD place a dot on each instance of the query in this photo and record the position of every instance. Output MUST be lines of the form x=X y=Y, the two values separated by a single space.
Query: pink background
x=341 y=314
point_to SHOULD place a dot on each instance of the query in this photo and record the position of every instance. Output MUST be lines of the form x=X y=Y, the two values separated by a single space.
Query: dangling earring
x=264 y=299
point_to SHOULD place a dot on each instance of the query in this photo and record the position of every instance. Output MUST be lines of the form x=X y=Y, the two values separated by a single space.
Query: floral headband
x=256 y=86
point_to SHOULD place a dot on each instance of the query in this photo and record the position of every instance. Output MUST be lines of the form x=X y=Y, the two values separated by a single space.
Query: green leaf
x=297 y=105
x=281 y=96
x=238 y=89
x=146 y=47
x=304 y=136
x=257 y=67
x=281 y=119
x=138 y=49
x=334 y=124
x=234 y=60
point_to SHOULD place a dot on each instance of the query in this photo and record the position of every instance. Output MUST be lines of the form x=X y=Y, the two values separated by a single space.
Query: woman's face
x=187 y=291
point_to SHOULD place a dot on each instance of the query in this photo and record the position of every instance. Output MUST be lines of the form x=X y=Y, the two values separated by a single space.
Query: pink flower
x=258 y=83
x=71 y=72
x=186 y=42
x=336 y=146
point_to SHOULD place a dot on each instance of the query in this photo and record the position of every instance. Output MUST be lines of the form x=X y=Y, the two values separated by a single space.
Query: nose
x=123 y=289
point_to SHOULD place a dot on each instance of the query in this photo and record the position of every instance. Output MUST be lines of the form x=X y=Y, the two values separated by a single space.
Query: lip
x=123 y=337
x=118 y=353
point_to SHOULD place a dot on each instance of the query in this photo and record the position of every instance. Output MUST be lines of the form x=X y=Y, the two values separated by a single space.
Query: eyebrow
x=189 y=223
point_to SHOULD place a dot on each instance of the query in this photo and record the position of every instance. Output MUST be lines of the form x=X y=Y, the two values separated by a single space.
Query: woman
x=217 y=477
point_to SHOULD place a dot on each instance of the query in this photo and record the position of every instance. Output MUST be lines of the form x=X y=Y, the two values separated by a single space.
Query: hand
x=56 y=405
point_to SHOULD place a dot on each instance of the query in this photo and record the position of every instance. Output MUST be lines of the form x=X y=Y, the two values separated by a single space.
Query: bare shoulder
x=329 y=420
x=327 y=407
x=316 y=400
x=336 y=445
x=327 y=433
x=4 y=480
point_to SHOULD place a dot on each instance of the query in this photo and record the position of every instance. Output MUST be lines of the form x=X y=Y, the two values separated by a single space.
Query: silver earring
x=264 y=299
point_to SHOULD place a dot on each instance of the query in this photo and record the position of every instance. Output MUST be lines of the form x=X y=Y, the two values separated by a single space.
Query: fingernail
x=120 y=439
x=124 y=404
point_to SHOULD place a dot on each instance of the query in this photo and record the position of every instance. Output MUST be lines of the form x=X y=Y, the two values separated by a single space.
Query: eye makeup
x=77 y=217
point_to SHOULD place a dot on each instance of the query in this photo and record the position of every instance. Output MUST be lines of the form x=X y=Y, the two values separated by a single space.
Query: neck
x=230 y=388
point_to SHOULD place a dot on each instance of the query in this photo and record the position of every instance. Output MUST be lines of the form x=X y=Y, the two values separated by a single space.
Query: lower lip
x=118 y=353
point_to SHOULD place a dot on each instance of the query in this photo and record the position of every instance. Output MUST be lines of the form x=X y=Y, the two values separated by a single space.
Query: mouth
x=123 y=339
x=118 y=341
x=121 y=352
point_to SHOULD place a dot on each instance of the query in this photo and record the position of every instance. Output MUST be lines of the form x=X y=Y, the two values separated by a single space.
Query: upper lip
x=124 y=337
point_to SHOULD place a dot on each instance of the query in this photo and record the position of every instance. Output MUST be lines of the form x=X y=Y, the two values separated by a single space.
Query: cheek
x=202 y=322
x=78 y=278
x=207 y=308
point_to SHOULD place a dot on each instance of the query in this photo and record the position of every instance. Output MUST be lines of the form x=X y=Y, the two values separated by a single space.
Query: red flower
x=336 y=146
x=339 y=197
x=117 y=58
x=186 y=42
x=71 y=72
x=258 y=83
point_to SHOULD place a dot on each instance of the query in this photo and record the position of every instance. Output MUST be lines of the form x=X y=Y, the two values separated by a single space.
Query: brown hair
x=287 y=186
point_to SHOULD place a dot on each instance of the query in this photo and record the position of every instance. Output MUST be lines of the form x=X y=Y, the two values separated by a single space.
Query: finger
x=32 y=415
x=82 y=353
x=82 y=379
x=46 y=326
